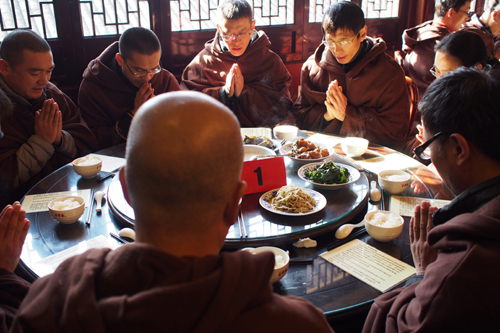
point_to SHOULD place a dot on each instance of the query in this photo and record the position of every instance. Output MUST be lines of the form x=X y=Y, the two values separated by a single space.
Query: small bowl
x=251 y=150
x=393 y=181
x=85 y=169
x=287 y=132
x=354 y=146
x=380 y=232
x=67 y=216
x=279 y=271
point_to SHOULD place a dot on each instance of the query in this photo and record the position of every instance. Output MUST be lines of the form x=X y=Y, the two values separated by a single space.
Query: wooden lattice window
x=111 y=17
x=37 y=15
x=373 y=9
x=202 y=14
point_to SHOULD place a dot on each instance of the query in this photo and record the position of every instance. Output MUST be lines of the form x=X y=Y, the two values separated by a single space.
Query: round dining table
x=343 y=298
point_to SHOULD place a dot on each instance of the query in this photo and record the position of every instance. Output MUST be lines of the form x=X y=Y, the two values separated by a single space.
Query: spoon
x=98 y=198
x=346 y=229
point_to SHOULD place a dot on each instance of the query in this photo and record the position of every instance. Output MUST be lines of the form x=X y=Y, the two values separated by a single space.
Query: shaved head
x=184 y=156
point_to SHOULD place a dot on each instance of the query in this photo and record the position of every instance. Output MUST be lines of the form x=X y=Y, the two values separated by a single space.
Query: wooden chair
x=410 y=141
x=399 y=56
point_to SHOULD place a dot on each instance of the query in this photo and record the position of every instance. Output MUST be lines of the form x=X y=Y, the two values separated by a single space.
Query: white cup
x=287 y=132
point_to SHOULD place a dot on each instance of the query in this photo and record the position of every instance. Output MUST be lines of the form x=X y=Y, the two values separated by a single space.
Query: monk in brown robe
x=173 y=279
x=419 y=41
x=119 y=81
x=349 y=86
x=42 y=127
x=487 y=26
x=238 y=68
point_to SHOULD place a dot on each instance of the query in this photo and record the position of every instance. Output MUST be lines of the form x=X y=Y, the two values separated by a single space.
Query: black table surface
x=309 y=276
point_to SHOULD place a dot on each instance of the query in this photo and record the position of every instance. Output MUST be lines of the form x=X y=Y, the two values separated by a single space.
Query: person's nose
x=44 y=79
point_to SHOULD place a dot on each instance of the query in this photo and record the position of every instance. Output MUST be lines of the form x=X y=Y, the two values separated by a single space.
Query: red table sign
x=264 y=175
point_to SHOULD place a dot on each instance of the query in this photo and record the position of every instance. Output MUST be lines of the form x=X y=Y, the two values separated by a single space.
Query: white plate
x=353 y=175
x=287 y=149
x=251 y=150
x=277 y=143
x=320 y=199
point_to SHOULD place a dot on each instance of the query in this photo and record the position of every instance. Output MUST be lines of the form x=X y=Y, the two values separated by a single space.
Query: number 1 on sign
x=258 y=171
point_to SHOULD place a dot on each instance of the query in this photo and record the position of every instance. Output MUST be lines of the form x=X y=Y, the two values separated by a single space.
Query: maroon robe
x=138 y=288
x=13 y=289
x=265 y=99
x=476 y=26
x=106 y=97
x=378 y=104
x=418 y=44
x=19 y=127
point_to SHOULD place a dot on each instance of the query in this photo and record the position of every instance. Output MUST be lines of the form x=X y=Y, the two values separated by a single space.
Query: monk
x=419 y=41
x=42 y=127
x=238 y=69
x=349 y=86
x=487 y=26
x=173 y=279
x=119 y=81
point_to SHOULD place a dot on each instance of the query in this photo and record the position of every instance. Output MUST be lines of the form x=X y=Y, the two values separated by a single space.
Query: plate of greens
x=328 y=175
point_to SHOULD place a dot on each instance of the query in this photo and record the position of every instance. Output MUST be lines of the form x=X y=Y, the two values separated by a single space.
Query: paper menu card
x=49 y=264
x=110 y=163
x=374 y=267
x=388 y=162
x=405 y=206
x=328 y=140
x=257 y=131
x=36 y=203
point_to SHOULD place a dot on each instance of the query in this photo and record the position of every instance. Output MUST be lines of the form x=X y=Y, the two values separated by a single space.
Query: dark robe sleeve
x=13 y=289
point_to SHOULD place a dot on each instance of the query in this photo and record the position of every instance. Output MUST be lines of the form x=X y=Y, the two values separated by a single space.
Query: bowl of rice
x=87 y=166
x=383 y=225
x=67 y=209
x=281 y=261
x=394 y=181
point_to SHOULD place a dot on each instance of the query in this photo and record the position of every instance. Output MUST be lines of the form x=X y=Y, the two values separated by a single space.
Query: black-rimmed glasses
x=420 y=150
x=468 y=13
x=142 y=72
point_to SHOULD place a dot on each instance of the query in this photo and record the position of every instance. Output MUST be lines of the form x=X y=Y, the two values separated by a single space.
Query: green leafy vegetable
x=328 y=173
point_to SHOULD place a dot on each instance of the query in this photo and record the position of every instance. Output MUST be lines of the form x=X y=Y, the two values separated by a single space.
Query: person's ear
x=233 y=204
x=253 y=26
x=4 y=67
x=363 y=33
x=123 y=182
x=119 y=59
x=478 y=66
x=461 y=148
x=495 y=15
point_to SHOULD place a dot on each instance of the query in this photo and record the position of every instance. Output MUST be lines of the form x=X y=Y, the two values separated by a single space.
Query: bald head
x=184 y=155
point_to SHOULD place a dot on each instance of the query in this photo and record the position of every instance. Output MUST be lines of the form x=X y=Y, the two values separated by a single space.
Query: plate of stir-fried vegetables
x=328 y=175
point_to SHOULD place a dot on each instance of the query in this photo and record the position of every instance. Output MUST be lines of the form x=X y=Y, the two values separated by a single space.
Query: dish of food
x=314 y=172
x=272 y=201
x=262 y=141
x=303 y=151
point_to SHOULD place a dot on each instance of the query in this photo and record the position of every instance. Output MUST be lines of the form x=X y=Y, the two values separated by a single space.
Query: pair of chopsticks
x=118 y=238
x=241 y=225
x=91 y=208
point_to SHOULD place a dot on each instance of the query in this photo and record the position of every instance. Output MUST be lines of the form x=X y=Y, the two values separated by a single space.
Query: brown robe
x=378 y=103
x=19 y=128
x=138 y=288
x=418 y=44
x=265 y=99
x=106 y=97
x=13 y=289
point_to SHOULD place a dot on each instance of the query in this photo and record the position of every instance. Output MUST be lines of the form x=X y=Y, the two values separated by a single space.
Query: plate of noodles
x=292 y=200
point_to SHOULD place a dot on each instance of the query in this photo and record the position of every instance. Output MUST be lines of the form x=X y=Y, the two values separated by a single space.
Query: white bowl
x=67 y=216
x=287 y=132
x=380 y=232
x=354 y=146
x=251 y=150
x=393 y=181
x=279 y=271
x=87 y=170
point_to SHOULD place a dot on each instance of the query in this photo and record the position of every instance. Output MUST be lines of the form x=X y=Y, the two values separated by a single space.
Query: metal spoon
x=346 y=229
x=98 y=198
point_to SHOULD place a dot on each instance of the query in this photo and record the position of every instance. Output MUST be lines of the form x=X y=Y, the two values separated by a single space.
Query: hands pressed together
x=145 y=93
x=13 y=230
x=48 y=122
x=235 y=82
x=420 y=226
x=336 y=102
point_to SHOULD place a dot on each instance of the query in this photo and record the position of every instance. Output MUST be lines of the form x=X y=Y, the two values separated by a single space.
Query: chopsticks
x=118 y=238
x=241 y=225
x=91 y=208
